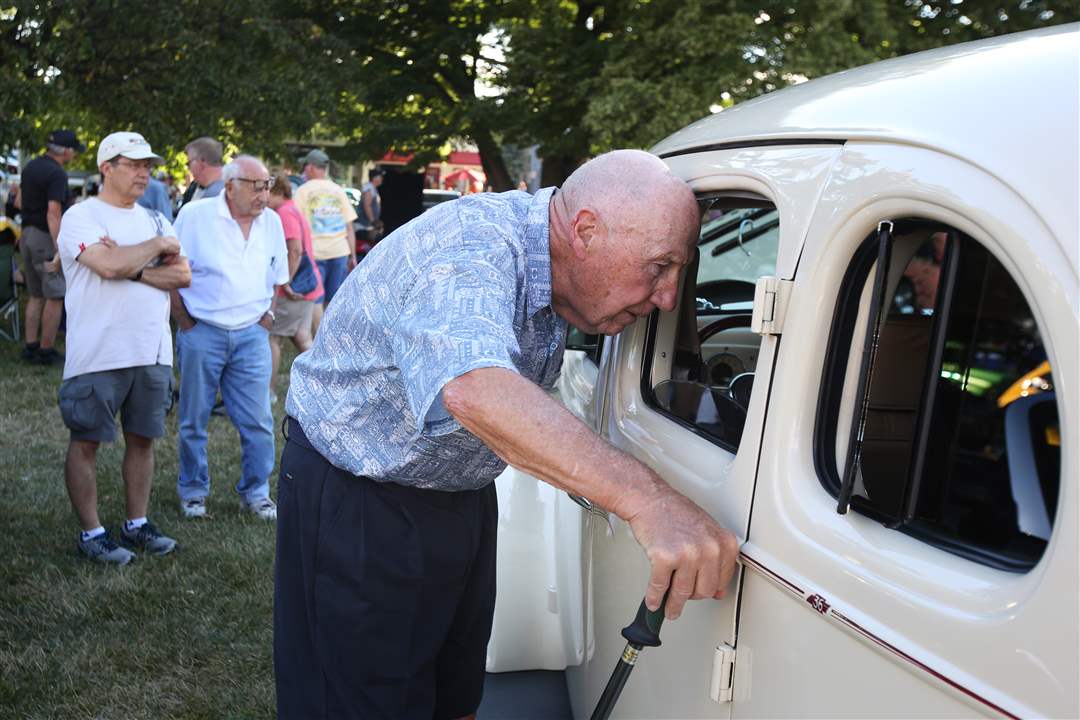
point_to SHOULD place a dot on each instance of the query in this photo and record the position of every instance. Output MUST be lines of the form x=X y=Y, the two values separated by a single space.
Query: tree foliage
x=574 y=78
x=172 y=71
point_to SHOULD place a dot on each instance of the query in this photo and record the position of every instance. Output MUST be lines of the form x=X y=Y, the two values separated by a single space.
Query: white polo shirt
x=111 y=324
x=232 y=279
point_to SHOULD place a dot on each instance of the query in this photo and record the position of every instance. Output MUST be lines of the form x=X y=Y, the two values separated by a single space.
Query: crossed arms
x=123 y=262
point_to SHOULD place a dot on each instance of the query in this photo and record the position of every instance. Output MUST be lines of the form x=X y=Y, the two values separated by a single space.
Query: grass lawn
x=187 y=635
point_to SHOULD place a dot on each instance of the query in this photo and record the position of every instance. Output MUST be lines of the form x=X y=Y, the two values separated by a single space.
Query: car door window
x=953 y=436
x=714 y=354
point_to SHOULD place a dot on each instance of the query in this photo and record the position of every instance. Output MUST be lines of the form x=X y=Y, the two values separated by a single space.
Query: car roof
x=1008 y=105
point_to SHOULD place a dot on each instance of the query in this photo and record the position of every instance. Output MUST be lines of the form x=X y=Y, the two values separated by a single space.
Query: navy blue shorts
x=384 y=594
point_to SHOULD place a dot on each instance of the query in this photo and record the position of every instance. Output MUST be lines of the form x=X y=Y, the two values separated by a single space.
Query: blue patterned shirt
x=466 y=285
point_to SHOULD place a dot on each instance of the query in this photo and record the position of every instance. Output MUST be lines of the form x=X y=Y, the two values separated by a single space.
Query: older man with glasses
x=238 y=258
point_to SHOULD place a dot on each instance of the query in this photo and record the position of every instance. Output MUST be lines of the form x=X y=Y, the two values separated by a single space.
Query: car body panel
x=837 y=615
x=983 y=629
x=987 y=102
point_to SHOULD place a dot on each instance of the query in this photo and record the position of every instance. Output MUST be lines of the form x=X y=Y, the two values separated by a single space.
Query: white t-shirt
x=111 y=323
x=232 y=279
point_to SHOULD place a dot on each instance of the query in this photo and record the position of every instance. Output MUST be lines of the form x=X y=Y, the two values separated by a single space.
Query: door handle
x=592 y=509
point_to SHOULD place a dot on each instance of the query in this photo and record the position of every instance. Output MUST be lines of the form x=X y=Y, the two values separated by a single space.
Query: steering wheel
x=741 y=320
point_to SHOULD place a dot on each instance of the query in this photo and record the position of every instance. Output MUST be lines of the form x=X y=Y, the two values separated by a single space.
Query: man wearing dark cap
x=45 y=197
x=331 y=217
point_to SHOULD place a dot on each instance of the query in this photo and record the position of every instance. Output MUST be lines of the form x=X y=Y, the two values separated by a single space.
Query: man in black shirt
x=45 y=196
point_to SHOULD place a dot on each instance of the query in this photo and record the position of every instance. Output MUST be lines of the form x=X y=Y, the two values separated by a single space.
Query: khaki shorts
x=37 y=248
x=290 y=316
x=142 y=395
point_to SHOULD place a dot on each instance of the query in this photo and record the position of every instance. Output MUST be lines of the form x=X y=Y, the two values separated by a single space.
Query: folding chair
x=9 y=295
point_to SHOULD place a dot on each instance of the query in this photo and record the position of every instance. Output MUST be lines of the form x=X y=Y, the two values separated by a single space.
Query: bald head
x=622 y=228
x=631 y=189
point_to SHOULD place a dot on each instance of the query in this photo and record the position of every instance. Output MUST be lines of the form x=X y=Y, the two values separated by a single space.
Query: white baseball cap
x=129 y=144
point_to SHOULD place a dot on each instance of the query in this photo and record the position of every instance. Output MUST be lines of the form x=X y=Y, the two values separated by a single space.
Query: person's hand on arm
x=529 y=430
x=119 y=262
x=173 y=272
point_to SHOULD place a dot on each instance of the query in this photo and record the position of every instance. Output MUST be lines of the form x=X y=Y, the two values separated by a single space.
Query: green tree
x=414 y=72
x=250 y=73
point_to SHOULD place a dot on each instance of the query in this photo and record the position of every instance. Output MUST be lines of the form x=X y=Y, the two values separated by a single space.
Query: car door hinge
x=771 y=297
x=723 y=673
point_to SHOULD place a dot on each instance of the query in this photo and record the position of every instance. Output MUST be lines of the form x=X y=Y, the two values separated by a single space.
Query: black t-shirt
x=43 y=179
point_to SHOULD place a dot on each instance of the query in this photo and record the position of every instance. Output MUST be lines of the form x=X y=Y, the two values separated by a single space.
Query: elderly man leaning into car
x=239 y=259
x=120 y=260
x=430 y=375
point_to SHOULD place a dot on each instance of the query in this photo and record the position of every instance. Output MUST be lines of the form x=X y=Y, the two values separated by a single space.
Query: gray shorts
x=142 y=395
x=37 y=248
x=290 y=316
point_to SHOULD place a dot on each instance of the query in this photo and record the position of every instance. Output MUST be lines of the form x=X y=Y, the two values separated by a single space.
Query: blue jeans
x=333 y=271
x=238 y=363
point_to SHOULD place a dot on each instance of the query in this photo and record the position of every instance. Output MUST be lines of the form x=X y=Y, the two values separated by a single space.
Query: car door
x=539 y=617
x=686 y=393
x=903 y=561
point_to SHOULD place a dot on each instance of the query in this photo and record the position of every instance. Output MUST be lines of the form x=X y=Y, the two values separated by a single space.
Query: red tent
x=472 y=181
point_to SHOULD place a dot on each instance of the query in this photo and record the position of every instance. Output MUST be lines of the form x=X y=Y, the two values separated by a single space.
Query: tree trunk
x=498 y=177
x=557 y=168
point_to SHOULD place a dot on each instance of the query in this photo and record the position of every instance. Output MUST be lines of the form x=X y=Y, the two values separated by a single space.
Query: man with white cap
x=120 y=260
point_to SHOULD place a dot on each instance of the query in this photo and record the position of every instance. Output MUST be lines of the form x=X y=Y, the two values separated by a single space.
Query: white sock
x=133 y=525
x=86 y=535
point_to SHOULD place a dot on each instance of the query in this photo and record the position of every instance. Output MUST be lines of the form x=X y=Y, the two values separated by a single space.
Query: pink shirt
x=296 y=225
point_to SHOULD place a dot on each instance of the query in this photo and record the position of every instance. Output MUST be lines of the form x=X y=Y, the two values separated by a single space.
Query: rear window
x=952 y=432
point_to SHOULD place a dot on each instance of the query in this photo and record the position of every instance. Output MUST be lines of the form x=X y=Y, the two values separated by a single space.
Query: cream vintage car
x=871 y=378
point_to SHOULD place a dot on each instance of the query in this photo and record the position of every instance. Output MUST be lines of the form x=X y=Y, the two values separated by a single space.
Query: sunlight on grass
x=183 y=636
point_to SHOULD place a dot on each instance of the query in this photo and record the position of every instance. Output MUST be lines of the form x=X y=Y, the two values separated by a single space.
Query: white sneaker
x=193 y=508
x=264 y=508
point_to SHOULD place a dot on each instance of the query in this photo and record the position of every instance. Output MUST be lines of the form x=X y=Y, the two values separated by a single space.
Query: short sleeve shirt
x=232 y=277
x=466 y=285
x=111 y=323
x=329 y=212
x=296 y=226
x=43 y=179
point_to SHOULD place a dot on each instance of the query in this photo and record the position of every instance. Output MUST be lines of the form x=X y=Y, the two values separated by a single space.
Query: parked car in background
x=871 y=378
x=433 y=197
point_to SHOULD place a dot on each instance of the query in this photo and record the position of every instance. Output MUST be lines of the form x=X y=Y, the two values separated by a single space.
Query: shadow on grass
x=183 y=636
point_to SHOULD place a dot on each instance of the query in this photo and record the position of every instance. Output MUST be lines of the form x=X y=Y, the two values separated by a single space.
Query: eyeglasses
x=146 y=165
x=258 y=185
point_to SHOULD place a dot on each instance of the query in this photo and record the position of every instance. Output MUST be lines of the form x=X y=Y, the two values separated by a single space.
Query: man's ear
x=585 y=230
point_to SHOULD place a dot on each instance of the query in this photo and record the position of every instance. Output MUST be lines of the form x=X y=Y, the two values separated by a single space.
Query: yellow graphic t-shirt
x=329 y=213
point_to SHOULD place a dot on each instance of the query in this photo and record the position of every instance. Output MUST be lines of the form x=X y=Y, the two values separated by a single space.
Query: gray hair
x=206 y=149
x=54 y=149
x=233 y=169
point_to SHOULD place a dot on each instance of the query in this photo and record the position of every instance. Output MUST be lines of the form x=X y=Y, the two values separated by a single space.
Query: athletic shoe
x=29 y=353
x=103 y=550
x=49 y=357
x=148 y=539
x=264 y=508
x=193 y=508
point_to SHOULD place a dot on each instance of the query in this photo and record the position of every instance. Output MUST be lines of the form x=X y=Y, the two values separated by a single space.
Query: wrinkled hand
x=169 y=245
x=52 y=265
x=680 y=538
